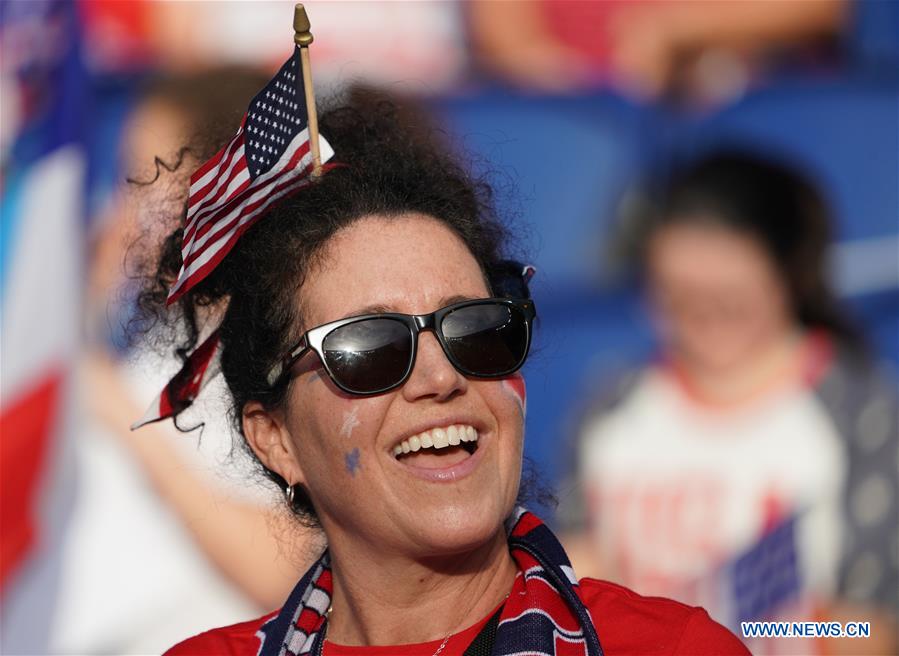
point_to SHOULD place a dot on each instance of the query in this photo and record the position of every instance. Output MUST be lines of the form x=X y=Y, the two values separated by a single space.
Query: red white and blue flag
x=267 y=160
x=42 y=236
x=763 y=582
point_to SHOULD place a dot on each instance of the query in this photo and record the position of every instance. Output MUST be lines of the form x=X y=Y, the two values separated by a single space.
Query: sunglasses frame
x=313 y=339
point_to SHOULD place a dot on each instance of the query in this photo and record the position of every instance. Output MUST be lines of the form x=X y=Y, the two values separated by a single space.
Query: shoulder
x=850 y=385
x=236 y=639
x=631 y=623
x=613 y=391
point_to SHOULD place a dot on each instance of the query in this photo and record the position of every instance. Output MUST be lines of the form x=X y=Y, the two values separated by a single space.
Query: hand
x=643 y=45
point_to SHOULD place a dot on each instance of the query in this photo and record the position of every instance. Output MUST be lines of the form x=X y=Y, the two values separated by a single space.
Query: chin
x=460 y=528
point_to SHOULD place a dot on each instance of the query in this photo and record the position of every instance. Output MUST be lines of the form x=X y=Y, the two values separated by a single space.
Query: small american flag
x=268 y=159
x=767 y=575
x=760 y=583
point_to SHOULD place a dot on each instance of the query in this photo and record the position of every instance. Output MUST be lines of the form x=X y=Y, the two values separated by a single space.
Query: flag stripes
x=267 y=160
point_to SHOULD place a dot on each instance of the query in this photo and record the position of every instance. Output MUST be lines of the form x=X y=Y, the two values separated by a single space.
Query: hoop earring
x=289 y=493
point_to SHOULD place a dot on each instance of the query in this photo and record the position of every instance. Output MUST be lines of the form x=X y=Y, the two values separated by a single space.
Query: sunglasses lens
x=369 y=355
x=487 y=339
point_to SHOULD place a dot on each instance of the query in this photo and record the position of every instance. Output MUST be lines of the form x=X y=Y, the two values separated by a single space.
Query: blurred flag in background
x=44 y=92
x=764 y=582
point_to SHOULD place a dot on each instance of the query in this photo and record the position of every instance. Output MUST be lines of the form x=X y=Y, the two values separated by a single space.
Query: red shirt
x=627 y=623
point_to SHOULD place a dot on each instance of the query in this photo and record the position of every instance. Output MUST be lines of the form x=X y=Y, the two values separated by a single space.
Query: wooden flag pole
x=303 y=38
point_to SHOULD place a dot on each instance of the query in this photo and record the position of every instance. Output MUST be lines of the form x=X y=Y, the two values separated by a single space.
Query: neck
x=778 y=362
x=391 y=600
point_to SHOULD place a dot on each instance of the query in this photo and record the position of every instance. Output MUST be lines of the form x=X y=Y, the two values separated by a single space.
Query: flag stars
x=273 y=120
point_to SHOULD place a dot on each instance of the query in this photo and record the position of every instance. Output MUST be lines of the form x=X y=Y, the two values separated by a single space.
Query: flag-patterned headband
x=267 y=160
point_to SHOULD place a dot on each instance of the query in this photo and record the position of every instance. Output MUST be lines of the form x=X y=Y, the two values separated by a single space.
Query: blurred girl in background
x=763 y=413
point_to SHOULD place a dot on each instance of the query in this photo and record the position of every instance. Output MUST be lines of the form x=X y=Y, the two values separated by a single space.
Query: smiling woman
x=370 y=334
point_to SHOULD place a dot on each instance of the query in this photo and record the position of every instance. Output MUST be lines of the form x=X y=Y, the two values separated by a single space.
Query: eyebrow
x=383 y=309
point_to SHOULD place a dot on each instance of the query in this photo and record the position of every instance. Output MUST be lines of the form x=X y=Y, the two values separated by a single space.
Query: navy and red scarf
x=543 y=615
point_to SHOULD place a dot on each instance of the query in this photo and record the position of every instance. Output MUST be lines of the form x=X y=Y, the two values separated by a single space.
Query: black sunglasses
x=374 y=353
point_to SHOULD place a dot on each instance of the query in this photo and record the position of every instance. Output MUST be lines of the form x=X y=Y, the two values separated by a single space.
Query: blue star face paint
x=351 y=460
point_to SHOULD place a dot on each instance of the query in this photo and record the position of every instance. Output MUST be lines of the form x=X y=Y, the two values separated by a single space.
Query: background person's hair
x=209 y=105
x=775 y=205
x=391 y=164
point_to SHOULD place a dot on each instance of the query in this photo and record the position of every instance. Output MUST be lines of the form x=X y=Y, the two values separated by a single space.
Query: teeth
x=437 y=438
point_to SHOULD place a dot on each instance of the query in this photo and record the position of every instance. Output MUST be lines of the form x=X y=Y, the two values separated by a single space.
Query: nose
x=433 y=375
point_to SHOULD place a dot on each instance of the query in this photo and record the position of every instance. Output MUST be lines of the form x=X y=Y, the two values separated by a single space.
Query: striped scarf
x=543 y=616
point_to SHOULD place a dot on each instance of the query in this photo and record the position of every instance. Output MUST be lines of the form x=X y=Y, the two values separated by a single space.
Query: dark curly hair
x=391 y=164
